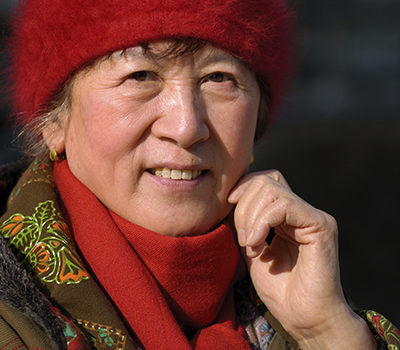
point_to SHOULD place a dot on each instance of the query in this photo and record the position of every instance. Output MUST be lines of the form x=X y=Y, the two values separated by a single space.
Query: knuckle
x=289 y=202
x=267 y=182
x=327 y=221
x=276 y=175
x=270 y=193
x=261 y=180
x=263 y=184
x=330 y=220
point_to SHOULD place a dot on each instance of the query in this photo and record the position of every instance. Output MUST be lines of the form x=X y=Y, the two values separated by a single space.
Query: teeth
x=166 y=173
x=176 y=174
x=187 y=174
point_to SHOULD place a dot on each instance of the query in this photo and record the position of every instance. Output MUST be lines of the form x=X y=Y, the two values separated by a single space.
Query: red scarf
x=163 y=286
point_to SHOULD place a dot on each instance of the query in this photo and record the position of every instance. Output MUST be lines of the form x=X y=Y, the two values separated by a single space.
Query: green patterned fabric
x=383 y=329
x=42 y=240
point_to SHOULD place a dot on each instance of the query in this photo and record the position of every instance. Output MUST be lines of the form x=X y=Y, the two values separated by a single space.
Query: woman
x=131 y=233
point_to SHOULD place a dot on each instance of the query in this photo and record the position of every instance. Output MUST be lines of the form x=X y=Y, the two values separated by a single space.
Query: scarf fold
x=161 y=285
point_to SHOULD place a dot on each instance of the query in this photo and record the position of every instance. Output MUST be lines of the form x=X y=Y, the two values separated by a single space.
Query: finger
x=246 y=181
x=254 y=212
x=258 y=195
x=260 y=192
x=240 y=188
x=247 y=210
x=278 y=177
x=296 y=219
x=254 y=252
x=243 y=213
x=289 y=213
x=285 y=215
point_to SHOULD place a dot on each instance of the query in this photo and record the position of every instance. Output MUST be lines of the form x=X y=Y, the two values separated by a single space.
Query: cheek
x=89 y=145
x=98 y=127
x=236 y=130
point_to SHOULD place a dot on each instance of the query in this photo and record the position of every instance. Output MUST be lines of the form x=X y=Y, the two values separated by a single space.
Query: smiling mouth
x=176 y=174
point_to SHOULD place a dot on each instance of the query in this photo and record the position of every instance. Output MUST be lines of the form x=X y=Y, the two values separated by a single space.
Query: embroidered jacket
x=49 y=300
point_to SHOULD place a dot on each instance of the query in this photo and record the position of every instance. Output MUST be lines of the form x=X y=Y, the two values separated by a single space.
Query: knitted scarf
x=175 y=293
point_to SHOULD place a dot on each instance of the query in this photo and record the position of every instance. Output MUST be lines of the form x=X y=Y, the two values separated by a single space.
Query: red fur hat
x=54 y=38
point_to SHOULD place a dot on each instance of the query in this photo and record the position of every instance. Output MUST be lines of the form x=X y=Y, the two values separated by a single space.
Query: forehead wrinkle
x=215 y=56
x=157 y=58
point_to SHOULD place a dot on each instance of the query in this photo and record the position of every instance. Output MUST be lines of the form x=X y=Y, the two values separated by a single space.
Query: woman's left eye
x=219 y=77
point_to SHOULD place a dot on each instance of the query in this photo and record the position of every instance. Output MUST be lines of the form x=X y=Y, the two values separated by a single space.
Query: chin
x=185 y=219
x=183 y=229
x=187 y=225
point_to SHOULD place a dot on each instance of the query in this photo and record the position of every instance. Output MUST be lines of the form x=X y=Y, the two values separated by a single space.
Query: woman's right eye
x=140 y=76
x=143 y=82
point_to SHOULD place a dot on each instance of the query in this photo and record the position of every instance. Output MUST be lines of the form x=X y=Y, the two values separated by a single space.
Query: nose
x=183 y=118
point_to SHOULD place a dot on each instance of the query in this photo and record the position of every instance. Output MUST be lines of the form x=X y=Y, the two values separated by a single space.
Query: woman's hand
x=297 y=276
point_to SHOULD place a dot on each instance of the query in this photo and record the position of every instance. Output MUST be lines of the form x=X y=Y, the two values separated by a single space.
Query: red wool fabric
x=52 y=39
x=157 y=282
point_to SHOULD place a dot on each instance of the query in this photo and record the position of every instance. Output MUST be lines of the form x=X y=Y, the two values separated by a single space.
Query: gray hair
x=31 y=135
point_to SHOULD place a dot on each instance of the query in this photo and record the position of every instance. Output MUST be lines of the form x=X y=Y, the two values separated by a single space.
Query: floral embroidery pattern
x=384 y=328
x=42 y=241
x=105 y=337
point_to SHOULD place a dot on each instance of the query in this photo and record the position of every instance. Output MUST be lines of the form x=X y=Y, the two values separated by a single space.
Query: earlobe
x=54 y=137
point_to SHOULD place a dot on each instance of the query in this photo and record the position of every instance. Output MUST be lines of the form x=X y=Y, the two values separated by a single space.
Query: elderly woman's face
x=162 y=141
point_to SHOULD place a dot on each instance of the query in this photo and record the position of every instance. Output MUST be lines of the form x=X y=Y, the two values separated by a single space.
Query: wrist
x=345 y=331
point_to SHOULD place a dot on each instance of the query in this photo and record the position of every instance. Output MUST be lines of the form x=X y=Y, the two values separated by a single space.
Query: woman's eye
x=140 y=76
x=219 y=77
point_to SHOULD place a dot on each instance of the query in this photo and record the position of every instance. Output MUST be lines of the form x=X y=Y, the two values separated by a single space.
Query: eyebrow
x=209 y=58
x=221 y=57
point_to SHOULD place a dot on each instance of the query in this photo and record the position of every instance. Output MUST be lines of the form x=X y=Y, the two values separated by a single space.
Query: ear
x=54 y=136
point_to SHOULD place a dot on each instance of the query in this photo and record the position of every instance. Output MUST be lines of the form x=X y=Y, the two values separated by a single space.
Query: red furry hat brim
x=54 y=38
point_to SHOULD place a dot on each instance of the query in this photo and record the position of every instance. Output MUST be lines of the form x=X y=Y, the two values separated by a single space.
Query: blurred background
x=337 y=136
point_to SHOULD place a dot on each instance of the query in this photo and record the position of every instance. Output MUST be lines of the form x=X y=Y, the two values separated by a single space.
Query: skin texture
x=132 y=113
x=298 y=275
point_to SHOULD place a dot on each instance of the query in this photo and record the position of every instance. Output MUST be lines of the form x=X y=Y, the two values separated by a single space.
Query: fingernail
x=232 y=198
x=253 y=252
x=242 y=237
